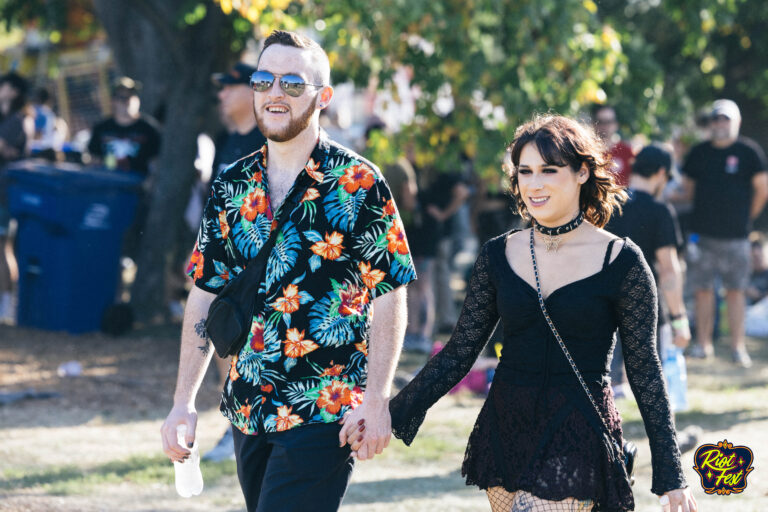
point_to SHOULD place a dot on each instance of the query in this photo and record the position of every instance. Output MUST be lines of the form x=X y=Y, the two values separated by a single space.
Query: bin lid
x=41 y=173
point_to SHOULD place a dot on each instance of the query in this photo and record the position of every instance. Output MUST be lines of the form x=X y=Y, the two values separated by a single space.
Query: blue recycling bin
x=71 y=224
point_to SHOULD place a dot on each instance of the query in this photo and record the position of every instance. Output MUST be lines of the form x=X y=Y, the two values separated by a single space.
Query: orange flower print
x=334 y=370
x=286 y=420
x=312 y=169
x=289 y=302
x=334 y=396
x=295 y=344
x=233 y=375
x=331 y=248
x=310 y=195
x=357 y=176
x=267 y=388
x=257 y=337
x=199 y=267
x=254 y=204
x=196 y=263
x=352 y=301
x=245 y=410
x=396 y=238
x=362 y=347
x=389 y=208
x=357 y=397
x=370 y=277
x=223 y=226
x=257 y=177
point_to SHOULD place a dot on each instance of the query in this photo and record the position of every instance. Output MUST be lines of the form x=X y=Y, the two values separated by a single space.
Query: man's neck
x=126 y=120
x=245 y=123
x=641 y=184
x=722 y=143
x=290 y=156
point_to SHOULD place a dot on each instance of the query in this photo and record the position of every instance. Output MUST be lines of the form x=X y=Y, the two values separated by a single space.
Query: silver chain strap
x=560 y=340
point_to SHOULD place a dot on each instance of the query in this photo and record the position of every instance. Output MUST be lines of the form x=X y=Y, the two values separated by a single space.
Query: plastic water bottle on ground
x=189 y=479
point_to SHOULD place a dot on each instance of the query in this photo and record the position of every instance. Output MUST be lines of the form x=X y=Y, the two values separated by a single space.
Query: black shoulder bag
x=623 y=457
x=231 y=312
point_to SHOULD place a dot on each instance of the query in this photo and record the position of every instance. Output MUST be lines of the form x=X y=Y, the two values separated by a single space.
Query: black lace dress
x=537 y=430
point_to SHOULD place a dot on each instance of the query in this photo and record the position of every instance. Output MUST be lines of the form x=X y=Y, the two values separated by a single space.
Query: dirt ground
x=95 y=445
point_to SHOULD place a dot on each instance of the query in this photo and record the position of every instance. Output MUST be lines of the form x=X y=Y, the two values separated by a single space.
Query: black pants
x=297 y=470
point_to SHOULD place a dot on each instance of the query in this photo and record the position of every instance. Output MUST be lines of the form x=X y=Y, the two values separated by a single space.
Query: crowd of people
x=358 y=236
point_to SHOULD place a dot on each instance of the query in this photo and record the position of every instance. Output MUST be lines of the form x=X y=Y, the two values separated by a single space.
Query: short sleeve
x=760 y=162
x=691 y=166
x=380 y=247
x=667 y=233
x=212 y=263
x=94 y=144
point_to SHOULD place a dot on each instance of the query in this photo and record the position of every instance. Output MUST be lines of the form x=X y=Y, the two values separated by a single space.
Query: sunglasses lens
x=292 y=85
x=262 y=81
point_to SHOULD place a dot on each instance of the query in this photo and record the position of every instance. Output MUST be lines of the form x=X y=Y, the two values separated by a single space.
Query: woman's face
x=551 y=193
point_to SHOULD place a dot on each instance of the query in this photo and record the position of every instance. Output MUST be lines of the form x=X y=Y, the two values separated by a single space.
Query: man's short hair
x=322 y=72
x=650 y=159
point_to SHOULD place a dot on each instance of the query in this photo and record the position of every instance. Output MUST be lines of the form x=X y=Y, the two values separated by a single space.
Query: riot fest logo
x=723 y=468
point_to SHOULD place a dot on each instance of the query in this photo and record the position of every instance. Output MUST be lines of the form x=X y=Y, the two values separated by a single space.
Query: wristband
x=679 y=324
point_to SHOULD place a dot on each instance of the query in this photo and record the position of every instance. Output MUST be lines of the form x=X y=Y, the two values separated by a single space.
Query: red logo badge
x=723 y=468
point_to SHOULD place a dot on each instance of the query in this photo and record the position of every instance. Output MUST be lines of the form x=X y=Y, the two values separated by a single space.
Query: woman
x=537 y=443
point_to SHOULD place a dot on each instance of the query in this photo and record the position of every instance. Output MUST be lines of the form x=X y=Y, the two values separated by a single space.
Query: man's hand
x=367 y=429
x=179 y=415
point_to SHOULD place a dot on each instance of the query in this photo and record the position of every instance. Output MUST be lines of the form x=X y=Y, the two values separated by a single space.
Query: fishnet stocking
x=522 y=501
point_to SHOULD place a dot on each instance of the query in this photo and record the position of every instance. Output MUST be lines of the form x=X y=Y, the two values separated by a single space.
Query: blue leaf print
x=401 y=273
x=215 y=282
x=342 y=214
x=249 y=237
x=289 y=363
x=284 y=254
x=327 y=326
x=313 y=236
x=250 y=367
x=315 y=262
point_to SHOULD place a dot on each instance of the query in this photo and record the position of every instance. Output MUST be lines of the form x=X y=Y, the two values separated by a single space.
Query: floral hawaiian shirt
x=305 y=360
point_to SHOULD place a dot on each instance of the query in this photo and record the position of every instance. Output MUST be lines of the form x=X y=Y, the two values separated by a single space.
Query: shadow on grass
x=72 y=480
x=399 y=489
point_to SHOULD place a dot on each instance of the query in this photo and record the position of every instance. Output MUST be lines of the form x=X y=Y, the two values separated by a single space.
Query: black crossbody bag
x=231 y=312
x=623 y=456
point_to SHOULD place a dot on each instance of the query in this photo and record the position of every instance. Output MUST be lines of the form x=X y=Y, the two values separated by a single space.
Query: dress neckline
x=530 y=287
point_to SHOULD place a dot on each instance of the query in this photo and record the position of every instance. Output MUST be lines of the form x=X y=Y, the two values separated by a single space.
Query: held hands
x=179 y=415
x=678 y=500
x=367 y=429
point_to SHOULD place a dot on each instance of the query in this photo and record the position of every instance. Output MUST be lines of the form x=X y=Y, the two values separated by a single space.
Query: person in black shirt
x=242 y=137
x=727 y=178
x=537 y=428
x=127 y=141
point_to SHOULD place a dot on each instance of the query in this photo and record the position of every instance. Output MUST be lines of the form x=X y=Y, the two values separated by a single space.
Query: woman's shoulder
x=499 y=242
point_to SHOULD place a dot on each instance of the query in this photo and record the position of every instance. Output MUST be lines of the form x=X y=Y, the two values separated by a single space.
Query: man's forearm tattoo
x=203 y=335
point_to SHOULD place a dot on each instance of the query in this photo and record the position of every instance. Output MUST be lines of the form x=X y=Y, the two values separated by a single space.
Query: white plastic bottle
x=189 y=479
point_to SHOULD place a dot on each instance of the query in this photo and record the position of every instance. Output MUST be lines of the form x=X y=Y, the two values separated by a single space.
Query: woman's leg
x=504 y=501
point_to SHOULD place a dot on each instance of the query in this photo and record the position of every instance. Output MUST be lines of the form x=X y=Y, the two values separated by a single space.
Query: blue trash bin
x=70 y=230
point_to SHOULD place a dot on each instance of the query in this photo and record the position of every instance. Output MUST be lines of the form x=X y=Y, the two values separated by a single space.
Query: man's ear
x=325 y=97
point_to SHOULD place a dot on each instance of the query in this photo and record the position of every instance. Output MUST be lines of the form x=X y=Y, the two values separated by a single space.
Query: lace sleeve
x=637 y=314
x=441 y=373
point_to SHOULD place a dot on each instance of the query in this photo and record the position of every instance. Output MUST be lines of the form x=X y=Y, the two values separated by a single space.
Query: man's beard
x=295 y=126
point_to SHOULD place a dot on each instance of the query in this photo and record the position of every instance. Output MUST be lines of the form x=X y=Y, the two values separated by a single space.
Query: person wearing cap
x=240 y=138
x=128 y=140
x=727 y=179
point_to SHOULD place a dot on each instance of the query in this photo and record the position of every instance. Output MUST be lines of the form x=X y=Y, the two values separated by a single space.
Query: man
x=315 y=343
x=727 y=179
x=127 y=141
x=242 y=137
x=653 y=226
x=607 y=128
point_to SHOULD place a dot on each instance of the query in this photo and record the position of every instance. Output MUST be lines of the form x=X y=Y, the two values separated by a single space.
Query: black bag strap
x=565 y=349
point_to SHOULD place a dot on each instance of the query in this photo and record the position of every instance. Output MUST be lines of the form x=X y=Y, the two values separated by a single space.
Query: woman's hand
x=680 y=500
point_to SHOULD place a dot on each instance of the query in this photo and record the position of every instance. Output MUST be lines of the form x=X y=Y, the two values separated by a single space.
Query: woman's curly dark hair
x=562 y=141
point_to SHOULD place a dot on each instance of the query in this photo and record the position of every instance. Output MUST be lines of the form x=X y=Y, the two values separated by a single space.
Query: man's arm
x=671 y=287
x=759 y=194
x=369 y=423
x=459 y=196
x=196 y=351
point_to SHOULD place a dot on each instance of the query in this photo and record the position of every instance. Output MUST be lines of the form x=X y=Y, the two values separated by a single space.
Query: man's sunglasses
x=292 y=85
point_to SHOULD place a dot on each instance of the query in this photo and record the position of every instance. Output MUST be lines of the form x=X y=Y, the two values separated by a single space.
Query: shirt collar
x=316 y=165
